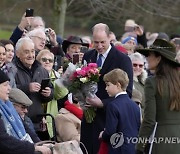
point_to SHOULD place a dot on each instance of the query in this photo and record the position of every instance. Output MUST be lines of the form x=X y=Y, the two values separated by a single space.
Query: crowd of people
x=137 y=96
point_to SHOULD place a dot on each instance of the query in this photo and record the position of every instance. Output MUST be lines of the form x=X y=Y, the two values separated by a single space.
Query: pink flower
x=92 y=71
x=81 y=72
x=86 y=69
x=92 y=65
x=75 y=75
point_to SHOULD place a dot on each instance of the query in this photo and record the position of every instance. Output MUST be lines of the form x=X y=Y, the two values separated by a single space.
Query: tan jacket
x=67 y=126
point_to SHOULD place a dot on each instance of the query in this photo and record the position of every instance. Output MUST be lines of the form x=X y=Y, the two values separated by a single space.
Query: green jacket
x=168 y=127
x=52 y=107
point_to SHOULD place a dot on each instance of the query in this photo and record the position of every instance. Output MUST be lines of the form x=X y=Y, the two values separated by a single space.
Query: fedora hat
x=164 y=48
x=73 y=40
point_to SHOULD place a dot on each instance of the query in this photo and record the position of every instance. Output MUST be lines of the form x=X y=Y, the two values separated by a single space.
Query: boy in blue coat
x=122 y=115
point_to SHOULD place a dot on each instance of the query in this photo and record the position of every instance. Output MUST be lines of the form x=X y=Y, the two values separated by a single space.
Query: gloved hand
x=139 y=152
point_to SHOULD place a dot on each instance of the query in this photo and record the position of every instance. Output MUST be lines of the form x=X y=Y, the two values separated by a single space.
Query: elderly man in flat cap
x=21 y=103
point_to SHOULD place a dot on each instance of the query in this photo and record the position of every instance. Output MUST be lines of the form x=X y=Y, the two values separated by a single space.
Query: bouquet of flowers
x=81 y=81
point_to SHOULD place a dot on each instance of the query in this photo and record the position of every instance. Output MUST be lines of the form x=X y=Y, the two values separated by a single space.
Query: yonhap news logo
x=118 y=139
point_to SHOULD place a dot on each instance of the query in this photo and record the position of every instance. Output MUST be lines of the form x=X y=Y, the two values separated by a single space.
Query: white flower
x=78 y=69
x=84 y=80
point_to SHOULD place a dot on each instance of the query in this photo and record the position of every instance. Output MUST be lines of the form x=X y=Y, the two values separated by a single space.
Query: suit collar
x=108 y=61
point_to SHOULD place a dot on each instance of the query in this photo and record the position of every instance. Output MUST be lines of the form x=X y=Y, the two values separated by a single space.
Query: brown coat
x=67 y=126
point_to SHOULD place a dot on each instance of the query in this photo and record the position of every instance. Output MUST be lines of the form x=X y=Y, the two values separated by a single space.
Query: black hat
x=73 y=40
x=3 y=77
x=164 y=48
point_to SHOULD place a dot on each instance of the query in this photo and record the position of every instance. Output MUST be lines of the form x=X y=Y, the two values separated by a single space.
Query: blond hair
x=43 y=52
x=117 y=76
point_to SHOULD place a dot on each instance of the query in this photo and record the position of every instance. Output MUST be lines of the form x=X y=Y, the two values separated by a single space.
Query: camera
x=46 y=31
x=48 y=42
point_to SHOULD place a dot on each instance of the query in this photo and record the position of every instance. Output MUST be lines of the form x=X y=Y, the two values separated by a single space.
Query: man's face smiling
x=27 y=54
x=101 y=41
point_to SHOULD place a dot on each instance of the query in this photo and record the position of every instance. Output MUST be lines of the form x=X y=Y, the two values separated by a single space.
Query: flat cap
x=18 y=96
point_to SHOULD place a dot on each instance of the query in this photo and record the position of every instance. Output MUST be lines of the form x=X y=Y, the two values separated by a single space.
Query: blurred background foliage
x=77 y=17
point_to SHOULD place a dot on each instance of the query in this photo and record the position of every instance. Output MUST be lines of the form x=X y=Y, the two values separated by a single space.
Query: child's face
x=113 y=89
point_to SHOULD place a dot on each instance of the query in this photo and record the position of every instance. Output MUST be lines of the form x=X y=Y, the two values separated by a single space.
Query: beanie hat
x=3 y=77
x=18 y=96
x=163 y=36
x=129 y=38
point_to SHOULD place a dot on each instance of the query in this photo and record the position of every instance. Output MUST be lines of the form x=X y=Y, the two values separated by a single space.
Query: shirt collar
x=106 y=53
x=121 y=93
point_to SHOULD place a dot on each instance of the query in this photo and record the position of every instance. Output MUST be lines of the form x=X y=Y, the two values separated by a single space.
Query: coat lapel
x=94 y=57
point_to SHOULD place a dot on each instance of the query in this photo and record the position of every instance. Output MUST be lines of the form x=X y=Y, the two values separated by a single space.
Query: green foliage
x=90 y=114
x=5 y=34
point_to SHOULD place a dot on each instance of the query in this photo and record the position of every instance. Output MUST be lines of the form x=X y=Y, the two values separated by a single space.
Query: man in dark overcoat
x=111 y=58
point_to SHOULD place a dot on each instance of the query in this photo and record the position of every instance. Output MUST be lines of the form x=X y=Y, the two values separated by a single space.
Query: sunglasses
x=46 y=59
x=140 y=65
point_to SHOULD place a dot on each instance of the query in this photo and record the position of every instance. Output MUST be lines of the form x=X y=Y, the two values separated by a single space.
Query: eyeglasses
x=140 y=65
x=46 y=59
x=23 y=107
x=42 y=39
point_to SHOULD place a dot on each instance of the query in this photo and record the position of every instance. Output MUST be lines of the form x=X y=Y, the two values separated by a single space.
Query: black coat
x=23 y=78
x=115 y=59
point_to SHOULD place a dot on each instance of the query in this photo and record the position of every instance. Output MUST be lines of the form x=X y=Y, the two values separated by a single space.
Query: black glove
x=139 y=152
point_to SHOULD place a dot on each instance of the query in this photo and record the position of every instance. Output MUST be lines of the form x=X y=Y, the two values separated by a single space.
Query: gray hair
x=21 y=41
x=35 y=31
x=36 y=18
x=43 y=52
x=137 y=57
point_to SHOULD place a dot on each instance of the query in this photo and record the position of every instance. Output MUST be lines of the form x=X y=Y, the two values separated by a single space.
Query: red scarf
x=78 y=112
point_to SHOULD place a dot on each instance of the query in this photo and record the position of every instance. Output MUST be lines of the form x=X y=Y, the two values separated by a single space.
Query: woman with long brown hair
x=162 y=100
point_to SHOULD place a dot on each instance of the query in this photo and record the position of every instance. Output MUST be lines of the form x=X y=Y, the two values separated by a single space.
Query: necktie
x=99 y=60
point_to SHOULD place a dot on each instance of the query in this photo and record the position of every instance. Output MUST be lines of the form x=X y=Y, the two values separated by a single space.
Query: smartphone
x=75 y=58
x=84 y=49
x=45 y=83
x=29 y=12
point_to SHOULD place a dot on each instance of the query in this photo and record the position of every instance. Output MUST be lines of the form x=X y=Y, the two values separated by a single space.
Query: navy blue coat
x=122 y=116
x=115 y=59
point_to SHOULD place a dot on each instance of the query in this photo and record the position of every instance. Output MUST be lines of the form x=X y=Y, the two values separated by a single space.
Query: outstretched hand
x=96 y=102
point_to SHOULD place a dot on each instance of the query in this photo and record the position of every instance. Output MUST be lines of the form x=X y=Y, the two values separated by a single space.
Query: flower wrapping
x=81 y=81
